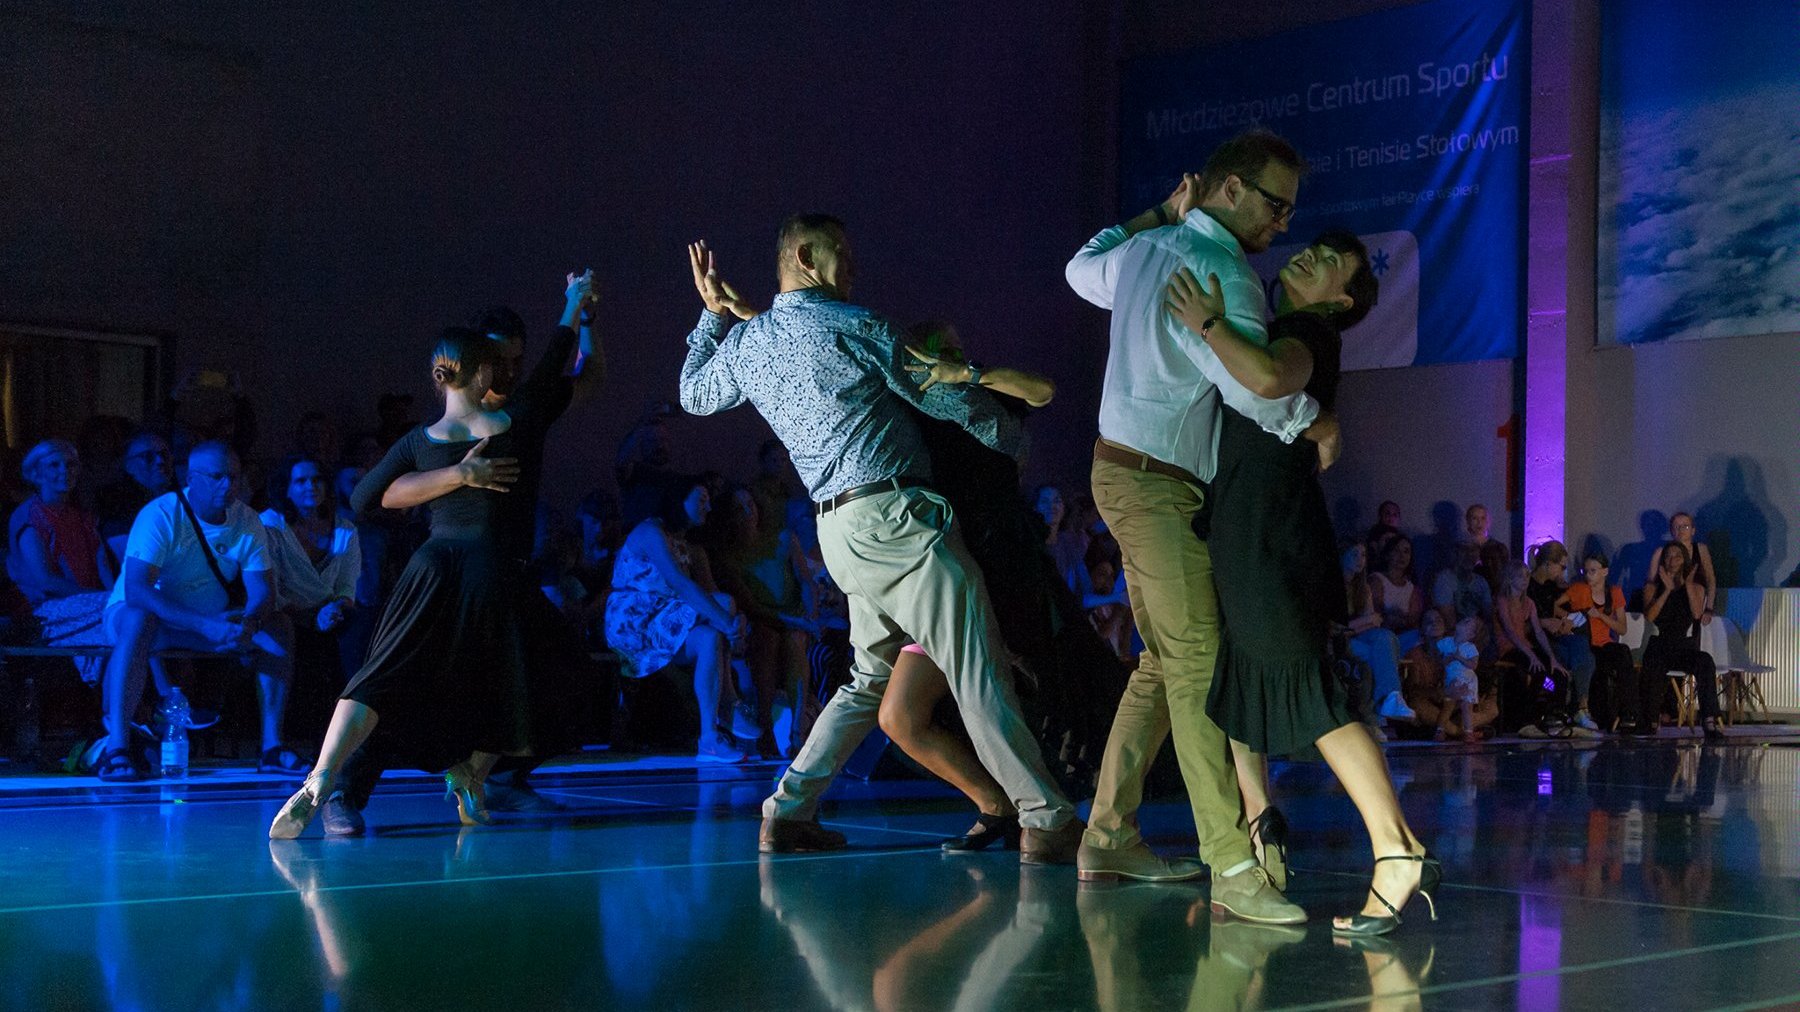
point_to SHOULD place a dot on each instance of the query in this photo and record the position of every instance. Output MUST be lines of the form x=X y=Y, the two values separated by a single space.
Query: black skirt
x=446 y=670
x=1280 y=589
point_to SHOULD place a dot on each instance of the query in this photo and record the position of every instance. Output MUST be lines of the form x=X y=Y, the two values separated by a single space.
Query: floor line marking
x=1560 y=971
x=881 y=852
x=1786 y=999
x=1565 y=897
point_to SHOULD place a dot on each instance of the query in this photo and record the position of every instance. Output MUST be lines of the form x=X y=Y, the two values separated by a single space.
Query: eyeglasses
x=1282 y=209
x=215 y=475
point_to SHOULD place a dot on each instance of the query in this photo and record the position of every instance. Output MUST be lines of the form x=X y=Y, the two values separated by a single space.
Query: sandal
x=1268 y=834
x=282 y=759
x=115 y=766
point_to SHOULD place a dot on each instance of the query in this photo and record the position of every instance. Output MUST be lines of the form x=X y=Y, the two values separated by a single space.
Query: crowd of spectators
x=121 y=538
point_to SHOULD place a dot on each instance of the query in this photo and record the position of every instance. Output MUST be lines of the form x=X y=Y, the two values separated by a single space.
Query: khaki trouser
x=1168 y=574
x=907 y=573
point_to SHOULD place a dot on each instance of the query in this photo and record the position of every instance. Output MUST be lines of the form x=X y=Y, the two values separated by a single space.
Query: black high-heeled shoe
x=1431 y=874
x=1269 y=832
x=1002 y=829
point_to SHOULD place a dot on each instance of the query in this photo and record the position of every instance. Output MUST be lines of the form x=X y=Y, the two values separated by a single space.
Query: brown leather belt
x=1106 y=451
x=850 y=495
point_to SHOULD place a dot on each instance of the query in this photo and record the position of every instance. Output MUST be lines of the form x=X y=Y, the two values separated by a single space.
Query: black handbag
x=235 y=593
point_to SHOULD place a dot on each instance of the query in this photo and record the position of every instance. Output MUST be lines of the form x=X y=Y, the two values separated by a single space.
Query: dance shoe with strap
x=462 y=786
x=1268 y=834
x=300 y=809
x=1002 y=829
x=1431 y=874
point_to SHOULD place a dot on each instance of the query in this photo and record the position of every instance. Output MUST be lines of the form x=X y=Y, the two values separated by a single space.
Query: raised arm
x=707 y=385
x=1094 y=271
x=394 y=484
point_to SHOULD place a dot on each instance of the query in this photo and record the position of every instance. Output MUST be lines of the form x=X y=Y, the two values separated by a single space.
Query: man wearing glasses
x=1157 y=450
x=189 y=550
x=147 y=475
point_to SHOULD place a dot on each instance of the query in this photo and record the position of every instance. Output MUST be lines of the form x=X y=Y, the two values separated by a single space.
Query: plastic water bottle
x=175 y=736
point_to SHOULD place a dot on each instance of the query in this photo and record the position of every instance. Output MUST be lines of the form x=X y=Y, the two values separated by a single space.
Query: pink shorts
x=913 y=648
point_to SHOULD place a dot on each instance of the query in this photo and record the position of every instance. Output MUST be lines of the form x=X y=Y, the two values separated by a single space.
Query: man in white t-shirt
x=169 y=597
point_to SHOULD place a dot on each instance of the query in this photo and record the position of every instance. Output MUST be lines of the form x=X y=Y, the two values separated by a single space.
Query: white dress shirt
x=1163 y=383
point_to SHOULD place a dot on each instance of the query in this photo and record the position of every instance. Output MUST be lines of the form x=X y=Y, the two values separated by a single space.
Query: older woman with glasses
x=55 y=553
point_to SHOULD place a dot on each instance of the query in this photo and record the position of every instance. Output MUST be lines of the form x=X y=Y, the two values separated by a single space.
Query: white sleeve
x=1094 y=271
x=350 y=568
x=152 y=534
x=1286 y=417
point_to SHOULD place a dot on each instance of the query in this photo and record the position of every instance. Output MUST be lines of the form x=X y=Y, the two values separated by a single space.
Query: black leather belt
x=850 y=495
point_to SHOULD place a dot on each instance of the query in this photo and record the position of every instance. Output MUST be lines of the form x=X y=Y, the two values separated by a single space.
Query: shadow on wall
x=1740 y=524
x=1631 y=566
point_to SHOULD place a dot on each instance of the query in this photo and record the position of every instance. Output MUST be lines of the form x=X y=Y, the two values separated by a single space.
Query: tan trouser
x=1168 y=574
x=906 y=573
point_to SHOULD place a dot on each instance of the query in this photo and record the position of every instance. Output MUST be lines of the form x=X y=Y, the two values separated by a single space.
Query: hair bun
x=443 y=373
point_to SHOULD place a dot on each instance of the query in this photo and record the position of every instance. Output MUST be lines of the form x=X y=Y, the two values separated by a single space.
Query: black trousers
x=1614 y=676
x=1666 y=654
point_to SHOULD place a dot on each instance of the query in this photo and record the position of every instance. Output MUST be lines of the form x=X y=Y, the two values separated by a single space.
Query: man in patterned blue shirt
x=828 y=377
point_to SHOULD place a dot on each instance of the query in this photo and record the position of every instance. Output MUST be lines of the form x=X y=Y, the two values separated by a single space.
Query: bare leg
x=1252 y=778
x=274 y=677
x=1361 y=768
x=913 y=691
x=351 y=724
x=126 y=668
x=710 y=654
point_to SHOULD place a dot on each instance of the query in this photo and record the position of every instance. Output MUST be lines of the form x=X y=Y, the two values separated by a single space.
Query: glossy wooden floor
x=1623 y=875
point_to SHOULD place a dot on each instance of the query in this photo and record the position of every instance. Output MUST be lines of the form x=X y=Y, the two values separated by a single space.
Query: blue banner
x=1413 y=124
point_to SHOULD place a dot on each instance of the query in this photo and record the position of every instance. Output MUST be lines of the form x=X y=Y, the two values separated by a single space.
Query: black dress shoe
x=993 y=829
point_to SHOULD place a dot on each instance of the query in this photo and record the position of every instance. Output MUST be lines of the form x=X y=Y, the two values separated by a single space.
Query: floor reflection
x=1604 y=876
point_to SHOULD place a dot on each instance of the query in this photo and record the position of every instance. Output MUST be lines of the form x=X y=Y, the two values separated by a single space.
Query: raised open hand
x=931 y=370
x=491 y=473
x=717 y=293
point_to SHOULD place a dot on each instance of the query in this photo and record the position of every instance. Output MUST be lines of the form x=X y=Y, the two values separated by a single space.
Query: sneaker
x=1394 y=707
x=1250 y=896
x=1584 y=720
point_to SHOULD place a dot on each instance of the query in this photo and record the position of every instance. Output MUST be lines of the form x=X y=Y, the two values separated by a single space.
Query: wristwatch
x=1207 y=324
x=975 y=370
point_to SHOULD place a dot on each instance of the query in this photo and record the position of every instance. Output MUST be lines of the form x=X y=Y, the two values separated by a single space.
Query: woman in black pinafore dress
x=1275 y=564
x=445 y=684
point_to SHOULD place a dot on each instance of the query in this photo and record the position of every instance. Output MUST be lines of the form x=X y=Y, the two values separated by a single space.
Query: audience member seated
x=1384 y=530
x=768 y=577
x=1066 y=542
x=775 y=487
x=54 y=552
x=318 y=559
x=1458 y=656
x=1397 y=596
x=1604 y=607
x=1700 y=562
x=1491 y=552
x=658 y=615
x=316 y=439
x=1673 y=603
x=1523 y=646
x=1422 y=677
x=186 y=555
x=1459 y=592
x=1549 y=592
x=644 y=463
x=1101 y=587
x=147 y=474
x=1370 y=642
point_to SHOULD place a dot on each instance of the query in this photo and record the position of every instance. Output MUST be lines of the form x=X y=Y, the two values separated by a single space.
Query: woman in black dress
x=446 y=677
x=1275 y=560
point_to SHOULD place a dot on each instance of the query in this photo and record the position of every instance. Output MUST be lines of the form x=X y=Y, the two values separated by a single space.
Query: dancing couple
x=832 y=380
x=1199 y=390
x=457 y=675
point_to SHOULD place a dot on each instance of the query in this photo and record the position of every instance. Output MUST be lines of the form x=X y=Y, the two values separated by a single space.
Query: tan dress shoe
x=1051 y=846
x=1137 y=862
x=1250 y=896
x=793 y=836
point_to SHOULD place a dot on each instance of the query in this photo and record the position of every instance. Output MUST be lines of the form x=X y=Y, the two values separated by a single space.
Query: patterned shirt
x=829 y=379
